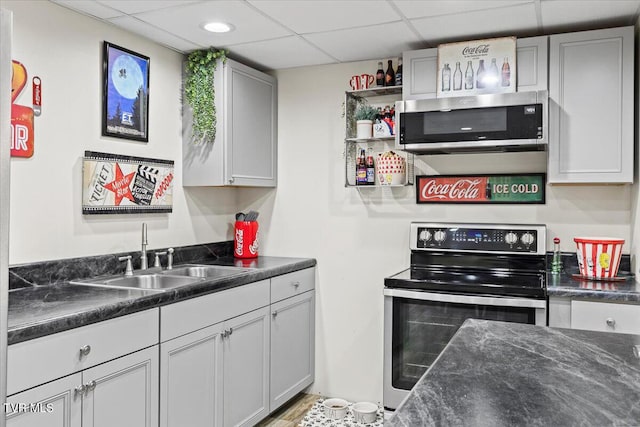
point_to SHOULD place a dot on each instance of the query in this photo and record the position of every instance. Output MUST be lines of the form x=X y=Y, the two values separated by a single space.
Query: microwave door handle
x=466 y=299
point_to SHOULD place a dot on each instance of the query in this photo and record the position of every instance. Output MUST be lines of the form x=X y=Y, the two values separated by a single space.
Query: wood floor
x=291 y=413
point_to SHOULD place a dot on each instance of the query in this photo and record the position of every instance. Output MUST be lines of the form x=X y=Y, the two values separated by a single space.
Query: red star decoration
x=120 y=185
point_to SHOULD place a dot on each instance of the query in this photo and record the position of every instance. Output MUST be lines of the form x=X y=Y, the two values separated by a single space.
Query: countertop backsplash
x=57 y=271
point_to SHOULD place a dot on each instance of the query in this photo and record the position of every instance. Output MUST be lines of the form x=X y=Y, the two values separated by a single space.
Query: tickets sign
x=113 y=183
x=495 y=188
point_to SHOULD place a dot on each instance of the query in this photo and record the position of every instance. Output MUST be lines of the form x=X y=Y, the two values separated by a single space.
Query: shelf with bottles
x=391 y=168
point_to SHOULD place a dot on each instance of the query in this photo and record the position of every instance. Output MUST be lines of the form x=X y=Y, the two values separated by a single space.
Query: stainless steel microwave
x=490 y=122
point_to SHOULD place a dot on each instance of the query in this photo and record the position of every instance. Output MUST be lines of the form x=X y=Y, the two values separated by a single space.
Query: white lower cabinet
x=232 y=357
x=55 y=405
x=292 y=347
x=594 y=315
x=122 y=392
x=217 y=376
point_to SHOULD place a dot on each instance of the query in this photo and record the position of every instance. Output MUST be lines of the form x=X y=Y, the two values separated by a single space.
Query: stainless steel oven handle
x=466 y=299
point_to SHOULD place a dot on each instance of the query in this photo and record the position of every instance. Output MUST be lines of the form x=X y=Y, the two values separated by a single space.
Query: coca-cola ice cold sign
x=477 y=66
x=495 y=188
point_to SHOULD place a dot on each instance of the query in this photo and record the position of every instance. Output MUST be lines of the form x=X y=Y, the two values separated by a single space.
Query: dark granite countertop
x=36 y=311
x=566 y=285
x=509 y=374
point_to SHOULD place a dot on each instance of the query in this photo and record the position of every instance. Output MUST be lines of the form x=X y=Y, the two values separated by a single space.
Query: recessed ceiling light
x=218 y=27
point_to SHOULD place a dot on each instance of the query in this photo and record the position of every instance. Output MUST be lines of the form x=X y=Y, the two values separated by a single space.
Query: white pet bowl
x=335 y=409
x=365 y=412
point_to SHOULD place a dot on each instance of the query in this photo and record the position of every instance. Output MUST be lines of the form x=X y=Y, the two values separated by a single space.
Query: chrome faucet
x=144 y=262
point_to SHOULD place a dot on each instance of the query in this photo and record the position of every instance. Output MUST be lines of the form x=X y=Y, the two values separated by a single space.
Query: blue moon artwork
x=127 y=92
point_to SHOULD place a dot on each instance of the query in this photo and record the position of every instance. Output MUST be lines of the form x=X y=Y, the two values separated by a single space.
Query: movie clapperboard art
x=114 y=183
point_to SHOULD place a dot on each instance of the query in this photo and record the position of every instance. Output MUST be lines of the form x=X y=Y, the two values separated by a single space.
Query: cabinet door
x=122 y=392
x=55 y=405
x=190 y=382
x=246 y=368
x=591 y=111
x=420 y=69
x=251 y=126
x=532 y=61
x=292 y=347
x=606 y=317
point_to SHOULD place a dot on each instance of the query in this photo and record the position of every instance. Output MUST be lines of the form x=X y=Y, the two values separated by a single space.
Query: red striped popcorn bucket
x=598 y=257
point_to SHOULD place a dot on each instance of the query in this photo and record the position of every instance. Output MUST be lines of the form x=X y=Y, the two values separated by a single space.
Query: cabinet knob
x=79 y=391
x=223 y=334
x=275 y=313
x=85 y=350
x=231 y=180
x=90 y=386
x=611 y=322
x=230 y=331
x=295 y=284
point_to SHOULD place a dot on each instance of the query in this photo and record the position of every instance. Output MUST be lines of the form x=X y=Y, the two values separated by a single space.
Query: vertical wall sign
x=125 y=109
x=22 y=136
x=113 y=183
x=495 y=188
x=475 y=67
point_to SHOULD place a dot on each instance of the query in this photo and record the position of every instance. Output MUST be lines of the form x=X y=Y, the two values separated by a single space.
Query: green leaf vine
x=200 y=93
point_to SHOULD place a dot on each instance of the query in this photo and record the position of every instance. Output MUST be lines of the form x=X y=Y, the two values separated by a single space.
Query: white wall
x=359 y=237
x=64 y=49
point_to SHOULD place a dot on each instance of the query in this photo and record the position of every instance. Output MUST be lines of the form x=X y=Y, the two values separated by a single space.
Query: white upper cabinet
x=591 y=110
x=421 y=67
x=244 y=152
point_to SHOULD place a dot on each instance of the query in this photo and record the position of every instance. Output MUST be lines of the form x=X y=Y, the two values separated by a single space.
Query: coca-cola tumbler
x=246 y=239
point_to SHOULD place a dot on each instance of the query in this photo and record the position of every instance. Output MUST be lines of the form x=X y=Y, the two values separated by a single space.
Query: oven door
x=418 y=325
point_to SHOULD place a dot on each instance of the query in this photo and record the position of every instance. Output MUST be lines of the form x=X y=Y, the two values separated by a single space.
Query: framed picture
x=125 y=109
x=493 y=188
x=476 y=67
x=115 y=183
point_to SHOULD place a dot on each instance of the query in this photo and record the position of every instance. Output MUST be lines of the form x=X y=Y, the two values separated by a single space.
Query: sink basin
x=205 y=271
x=153 y=282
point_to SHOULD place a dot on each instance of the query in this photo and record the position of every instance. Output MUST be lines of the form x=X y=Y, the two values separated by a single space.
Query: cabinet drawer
x=197 y=313
x=37 y=361
x=291 y=284
x=608 y=317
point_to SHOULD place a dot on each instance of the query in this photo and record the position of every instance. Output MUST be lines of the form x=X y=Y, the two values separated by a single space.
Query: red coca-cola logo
x=239 y=241
x=468 y=189
x=476 y=50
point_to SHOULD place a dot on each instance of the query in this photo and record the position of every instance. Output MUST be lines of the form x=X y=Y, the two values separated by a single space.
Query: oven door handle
x=466 y=299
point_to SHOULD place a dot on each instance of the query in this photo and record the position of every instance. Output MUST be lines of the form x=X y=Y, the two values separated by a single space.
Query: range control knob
x=425 y=235
x=527 y=238
x=439 y=236
x=511 y=238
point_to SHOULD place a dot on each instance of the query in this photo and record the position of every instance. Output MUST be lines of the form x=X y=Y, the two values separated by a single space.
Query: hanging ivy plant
x=200 y=93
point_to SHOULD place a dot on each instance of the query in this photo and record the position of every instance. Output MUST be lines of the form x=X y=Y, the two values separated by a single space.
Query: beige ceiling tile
x=136 y=6
x=379 y=41
x=153 y=33
x=185 y=22
x=286 y=52
x=316 y=16
x=478 y=24
x=90 y=7
x=426 y=8
x=560 y=12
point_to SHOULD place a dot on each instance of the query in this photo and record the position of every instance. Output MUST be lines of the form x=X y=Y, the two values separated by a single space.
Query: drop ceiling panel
x=377 y=42
x=89 y=7
x=156 y=34
x=136 y=6
x=186 y=21
x=421 y=8
x=287 y=52
x=558 y=12
x=483 y=23
x=317 y=16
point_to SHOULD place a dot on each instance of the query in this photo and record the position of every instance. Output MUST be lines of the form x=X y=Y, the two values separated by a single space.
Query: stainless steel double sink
x=163 y=280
